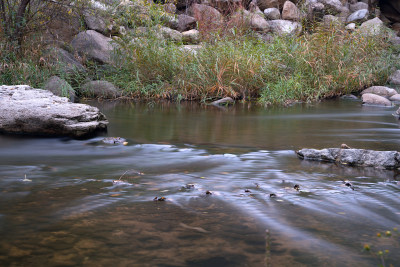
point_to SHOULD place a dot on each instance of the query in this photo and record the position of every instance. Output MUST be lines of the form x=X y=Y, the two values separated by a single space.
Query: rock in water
x=354 y=157
x=25 y=110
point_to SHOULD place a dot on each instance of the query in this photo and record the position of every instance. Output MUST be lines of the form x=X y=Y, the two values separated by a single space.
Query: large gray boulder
x=24 y=110
x=100 y=89
x=94 y=45
x=60 y=87
x=353 y=157
x=380 y=90
x=285 y=27
x=372 y=99
x=63 y=60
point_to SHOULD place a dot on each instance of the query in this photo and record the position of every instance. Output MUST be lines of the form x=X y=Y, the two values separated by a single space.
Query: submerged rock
x=353 y=157
x=224 y=101
x=25 y=110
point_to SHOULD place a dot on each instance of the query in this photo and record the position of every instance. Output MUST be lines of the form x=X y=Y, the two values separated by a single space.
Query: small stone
x=208 y=192
x=350 y=27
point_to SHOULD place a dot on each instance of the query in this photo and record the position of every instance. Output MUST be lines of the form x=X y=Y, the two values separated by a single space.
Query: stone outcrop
x=25 y=110
x=353 y=157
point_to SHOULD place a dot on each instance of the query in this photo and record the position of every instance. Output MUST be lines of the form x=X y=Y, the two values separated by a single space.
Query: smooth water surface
x=84 y=203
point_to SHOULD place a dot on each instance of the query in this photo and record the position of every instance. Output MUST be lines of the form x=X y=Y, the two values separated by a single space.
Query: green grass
x=232 y=62
x=308 y=68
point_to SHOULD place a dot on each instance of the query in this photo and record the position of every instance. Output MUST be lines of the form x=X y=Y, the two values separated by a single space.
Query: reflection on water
x=90 y=204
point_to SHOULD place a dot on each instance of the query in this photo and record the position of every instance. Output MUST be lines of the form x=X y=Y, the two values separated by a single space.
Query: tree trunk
x=19 y=21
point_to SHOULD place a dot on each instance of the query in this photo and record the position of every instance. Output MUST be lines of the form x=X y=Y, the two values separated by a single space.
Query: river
x=84 y=203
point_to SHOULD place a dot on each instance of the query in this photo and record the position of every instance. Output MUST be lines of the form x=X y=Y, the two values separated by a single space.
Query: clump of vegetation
x=306 y=68
x=231 y=61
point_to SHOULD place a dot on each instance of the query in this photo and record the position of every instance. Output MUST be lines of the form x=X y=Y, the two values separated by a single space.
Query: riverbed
x=228 y=176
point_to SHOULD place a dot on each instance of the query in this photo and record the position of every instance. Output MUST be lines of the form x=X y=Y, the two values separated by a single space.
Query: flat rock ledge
x=353 y=157
x=25 y=110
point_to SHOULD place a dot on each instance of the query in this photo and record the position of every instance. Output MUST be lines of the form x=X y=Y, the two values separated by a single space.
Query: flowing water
x=84 y=203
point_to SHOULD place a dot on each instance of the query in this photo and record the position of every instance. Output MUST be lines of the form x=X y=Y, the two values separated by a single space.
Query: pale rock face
x=25 y=110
